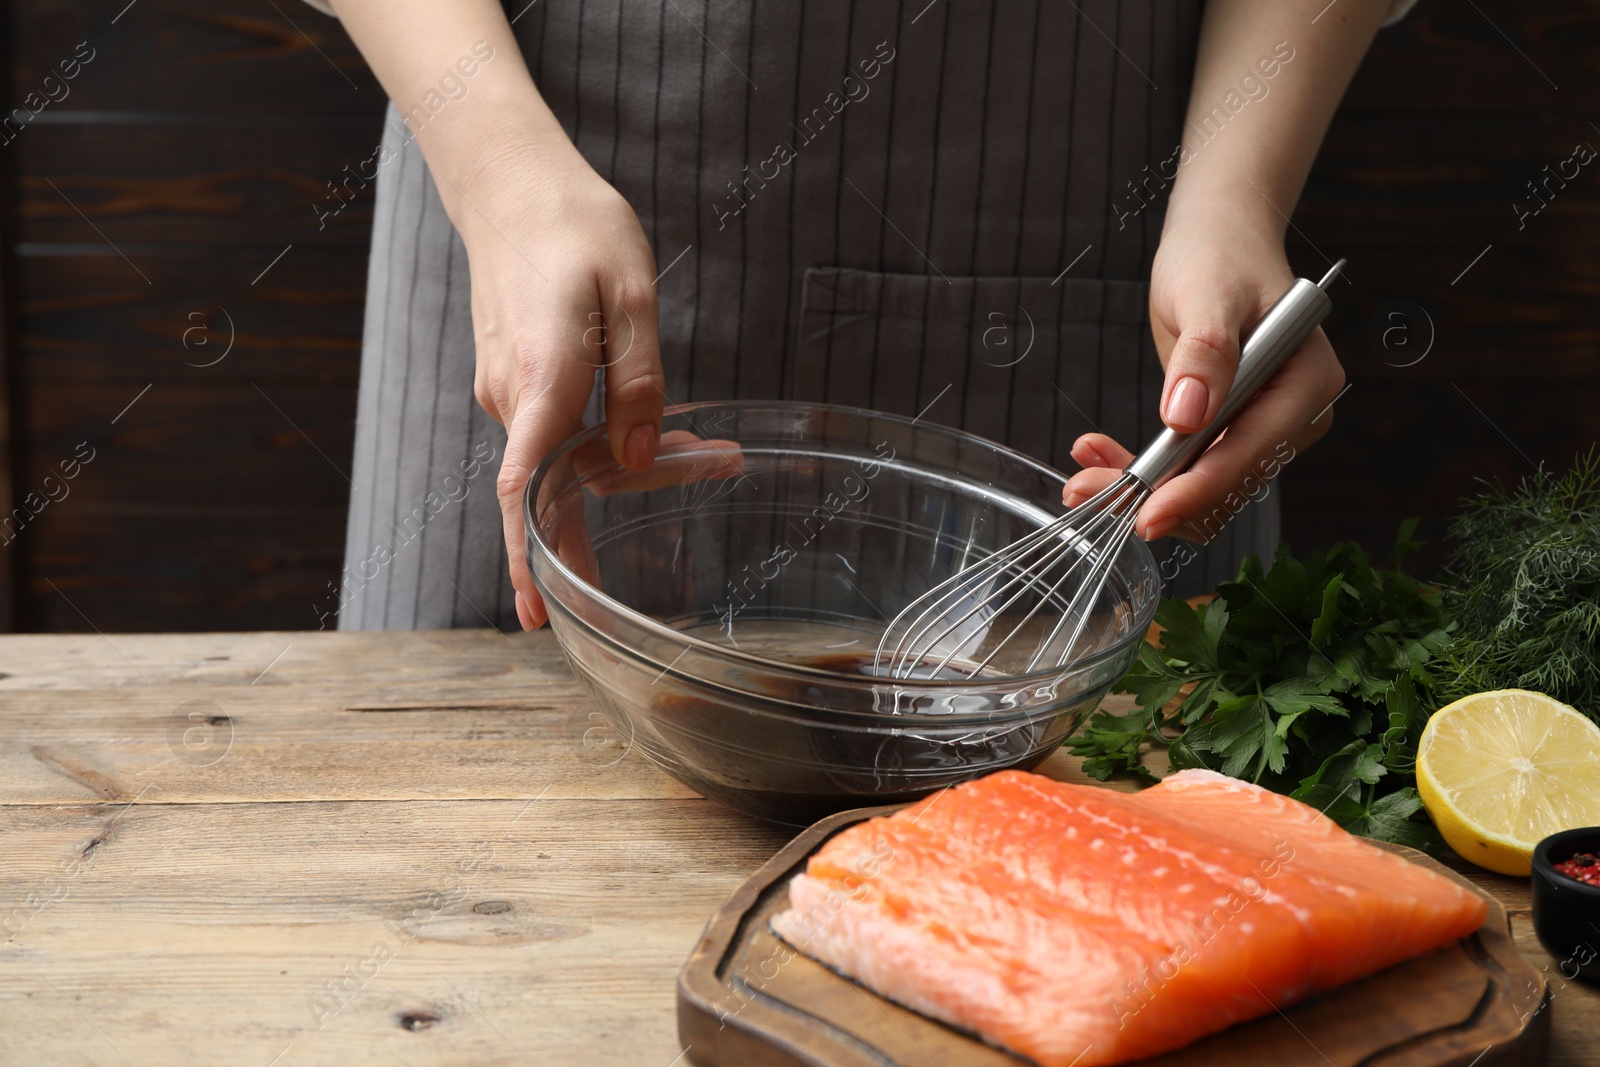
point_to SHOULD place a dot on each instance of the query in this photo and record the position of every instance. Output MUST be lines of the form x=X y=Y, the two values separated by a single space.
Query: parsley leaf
x=1112 y=743
x=1191 y=635
x=1310 y=677
x=1389 y=818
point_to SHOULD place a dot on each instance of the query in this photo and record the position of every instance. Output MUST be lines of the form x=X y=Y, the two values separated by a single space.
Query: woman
x=943 y=208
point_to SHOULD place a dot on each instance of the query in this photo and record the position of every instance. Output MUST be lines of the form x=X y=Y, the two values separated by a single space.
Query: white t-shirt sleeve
x=322 y=5
x=1398 y=9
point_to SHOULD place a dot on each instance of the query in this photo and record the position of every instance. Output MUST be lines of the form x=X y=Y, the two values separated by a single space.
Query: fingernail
x=1161 y=527
x=1187 y=405
x=640 y=448
x=1073 y=498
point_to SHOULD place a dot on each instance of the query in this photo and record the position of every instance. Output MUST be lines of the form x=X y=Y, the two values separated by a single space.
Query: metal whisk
x=955 y=615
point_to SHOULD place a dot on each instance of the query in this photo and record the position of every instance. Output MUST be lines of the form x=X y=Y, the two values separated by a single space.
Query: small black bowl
x=1566 y=912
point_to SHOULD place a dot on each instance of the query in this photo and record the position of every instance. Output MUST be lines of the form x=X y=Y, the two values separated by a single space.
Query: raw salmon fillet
x=1078 y=926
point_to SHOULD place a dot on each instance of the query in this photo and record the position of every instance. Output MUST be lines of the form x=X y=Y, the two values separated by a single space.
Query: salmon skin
x=1077 y=926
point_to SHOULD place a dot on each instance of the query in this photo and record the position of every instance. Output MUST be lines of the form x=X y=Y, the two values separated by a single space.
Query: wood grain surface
x=405 y=848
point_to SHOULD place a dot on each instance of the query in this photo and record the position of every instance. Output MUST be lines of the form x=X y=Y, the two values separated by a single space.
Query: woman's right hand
x=562 y=286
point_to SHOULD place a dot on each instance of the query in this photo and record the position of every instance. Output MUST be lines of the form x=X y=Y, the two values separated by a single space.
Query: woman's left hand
x=1213 y=279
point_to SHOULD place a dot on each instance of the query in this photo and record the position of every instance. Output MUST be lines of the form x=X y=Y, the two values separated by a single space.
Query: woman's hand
x=1215 y=275
x=563 y=282
x=562 y=286
x=1274 y=78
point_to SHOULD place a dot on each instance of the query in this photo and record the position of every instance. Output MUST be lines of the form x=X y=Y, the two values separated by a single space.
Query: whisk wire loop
x=913 y=646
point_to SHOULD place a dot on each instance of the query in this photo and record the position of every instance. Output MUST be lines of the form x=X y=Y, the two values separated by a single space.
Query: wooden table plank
x=210 y=934
x=341 y=662
x=303 y=717
x=415 y=818
x=166 y=744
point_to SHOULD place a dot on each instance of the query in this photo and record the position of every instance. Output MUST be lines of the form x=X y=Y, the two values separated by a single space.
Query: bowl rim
x=1545 y=867
x=531 y=529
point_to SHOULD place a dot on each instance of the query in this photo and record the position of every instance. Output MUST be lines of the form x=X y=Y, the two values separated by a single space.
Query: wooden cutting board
x=747 y=999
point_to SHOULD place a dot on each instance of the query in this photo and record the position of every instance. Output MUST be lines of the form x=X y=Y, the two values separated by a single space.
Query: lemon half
x=1499 y=771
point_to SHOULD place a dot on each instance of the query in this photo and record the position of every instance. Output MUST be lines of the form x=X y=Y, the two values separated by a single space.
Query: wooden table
x=270 y=850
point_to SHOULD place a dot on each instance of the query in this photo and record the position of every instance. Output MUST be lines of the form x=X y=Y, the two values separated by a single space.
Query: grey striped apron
x=910 y=206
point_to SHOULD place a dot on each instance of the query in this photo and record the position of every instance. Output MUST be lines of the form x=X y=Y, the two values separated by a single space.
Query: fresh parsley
x=1313 y=678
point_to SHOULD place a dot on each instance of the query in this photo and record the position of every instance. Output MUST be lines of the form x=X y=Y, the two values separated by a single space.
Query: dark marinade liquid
x=712 y=748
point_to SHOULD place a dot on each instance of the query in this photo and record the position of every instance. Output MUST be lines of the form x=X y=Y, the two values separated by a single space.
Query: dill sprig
x=1523 y=584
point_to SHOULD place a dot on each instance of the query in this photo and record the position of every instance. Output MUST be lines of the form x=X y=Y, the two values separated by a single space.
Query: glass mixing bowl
x=724 y=608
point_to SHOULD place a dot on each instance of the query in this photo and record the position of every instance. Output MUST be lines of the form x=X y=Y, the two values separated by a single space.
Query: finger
x=1291 y=411
x=1098 y=450
x=1086 y=483
x=709 y=460
x=1205 y=356
x=485 y=389
x=634 y=382
x=561 y=519
x=570 y=540
x=545 y=417
x=595 y=455
x=1103 y=460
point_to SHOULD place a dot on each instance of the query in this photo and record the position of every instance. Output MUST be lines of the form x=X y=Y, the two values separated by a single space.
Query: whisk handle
x=1273 y=340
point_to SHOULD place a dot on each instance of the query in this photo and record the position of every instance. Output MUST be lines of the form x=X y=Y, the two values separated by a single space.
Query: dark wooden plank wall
x=1443 y=127
x=200 y=135
x=196 y=140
